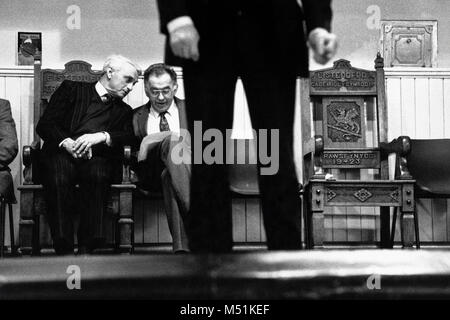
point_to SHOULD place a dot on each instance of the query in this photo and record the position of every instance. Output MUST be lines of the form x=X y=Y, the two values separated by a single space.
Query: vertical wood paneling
x=436 y=113
x=439 y=219
x=353 y=212
x=328 y=225
x=2 y=87
x=421 y=93
x=426 y=222
x=138 y=213
x=340 y=233
x=407 y=105
x=150 y=218
x=367 y=214
x=339 y=218
x=393 y=98
x=446 y=98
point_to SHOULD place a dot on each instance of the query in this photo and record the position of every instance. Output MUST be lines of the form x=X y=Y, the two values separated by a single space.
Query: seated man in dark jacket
x=8 y=150
x=84 y=129
x=158 y=125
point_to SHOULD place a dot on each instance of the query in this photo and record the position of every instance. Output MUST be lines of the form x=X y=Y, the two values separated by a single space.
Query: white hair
x=116 y=61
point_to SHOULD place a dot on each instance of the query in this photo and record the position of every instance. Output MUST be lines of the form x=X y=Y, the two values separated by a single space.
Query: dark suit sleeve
x=50 y=126
x=317 y=14
x=169 y=10
x=8 y=135
x=123 y=134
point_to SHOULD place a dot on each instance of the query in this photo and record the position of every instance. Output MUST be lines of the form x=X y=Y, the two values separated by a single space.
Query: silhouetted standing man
x=262 y=42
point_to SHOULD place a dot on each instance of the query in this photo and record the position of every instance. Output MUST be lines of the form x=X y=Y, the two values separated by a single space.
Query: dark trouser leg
x=59 y=182
x=173 y=213
x=271 y=99
x=179 y=174
x=209 y=99
x=176 y=178
x=94 y=176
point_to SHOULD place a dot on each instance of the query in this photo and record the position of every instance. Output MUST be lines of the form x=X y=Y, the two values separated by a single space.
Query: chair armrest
x=319 y=173
x=126 y=174
x=401 y=147
x=29 y=159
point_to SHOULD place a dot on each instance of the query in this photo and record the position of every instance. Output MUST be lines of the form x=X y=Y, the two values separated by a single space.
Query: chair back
x=349 y=119
x=429 y=164
x=46 y=82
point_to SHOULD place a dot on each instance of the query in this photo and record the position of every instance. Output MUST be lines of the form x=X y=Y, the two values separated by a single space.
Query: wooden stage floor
x=318 y=274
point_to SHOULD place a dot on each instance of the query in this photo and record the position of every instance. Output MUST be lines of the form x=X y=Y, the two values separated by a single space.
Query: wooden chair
x=32 y=204
x=427 y=162
x=350 y=127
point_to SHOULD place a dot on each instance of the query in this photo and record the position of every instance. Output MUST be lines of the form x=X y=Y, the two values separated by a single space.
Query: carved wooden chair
x=32 y=204
x=350 y=135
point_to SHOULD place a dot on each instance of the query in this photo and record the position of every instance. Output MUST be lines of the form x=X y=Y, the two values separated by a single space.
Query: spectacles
x=156 y=92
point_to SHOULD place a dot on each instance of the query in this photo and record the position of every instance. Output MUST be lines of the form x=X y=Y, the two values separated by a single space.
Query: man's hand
x=68 y=146
x=323 y=43
x=184 y=42
x=85 y=142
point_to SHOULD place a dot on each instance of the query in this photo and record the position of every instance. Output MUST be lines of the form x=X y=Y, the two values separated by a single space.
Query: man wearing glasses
x=159 y=126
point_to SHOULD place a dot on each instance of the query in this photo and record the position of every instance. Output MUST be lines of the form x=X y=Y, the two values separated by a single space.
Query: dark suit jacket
x=282 y=22
x=147 y=175
x=65 y=111
x=140 y=118
x=8 y=149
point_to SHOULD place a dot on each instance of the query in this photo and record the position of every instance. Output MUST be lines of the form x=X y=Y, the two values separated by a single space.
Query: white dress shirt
x=172 y=116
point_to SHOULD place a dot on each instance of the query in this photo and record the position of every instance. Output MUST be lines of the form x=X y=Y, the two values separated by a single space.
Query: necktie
x=163 y=124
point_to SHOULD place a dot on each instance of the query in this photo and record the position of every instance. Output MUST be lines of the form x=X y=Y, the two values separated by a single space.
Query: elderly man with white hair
x=84 y=129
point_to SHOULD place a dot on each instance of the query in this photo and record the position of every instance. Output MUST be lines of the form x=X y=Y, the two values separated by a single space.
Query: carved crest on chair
x=75 y=70
x=344 y=121
x=362 y=195
x=342 y=77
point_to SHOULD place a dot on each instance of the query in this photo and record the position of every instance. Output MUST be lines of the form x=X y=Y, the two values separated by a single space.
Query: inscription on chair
x=351 y=159
x=74 y=70
x=344 y=78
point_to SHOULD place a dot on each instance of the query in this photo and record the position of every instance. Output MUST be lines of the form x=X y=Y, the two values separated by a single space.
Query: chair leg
x=2 y=227
x=306 y=225
x=416 y=227
x=11 y=229
x=394 y=221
